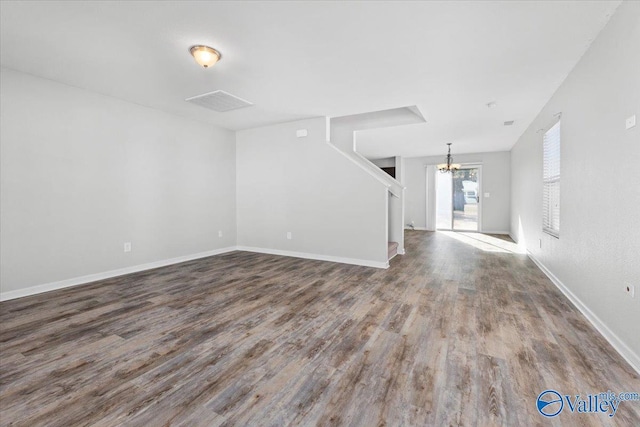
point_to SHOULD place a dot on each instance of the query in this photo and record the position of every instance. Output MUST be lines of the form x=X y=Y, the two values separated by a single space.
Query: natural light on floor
x=485 y=242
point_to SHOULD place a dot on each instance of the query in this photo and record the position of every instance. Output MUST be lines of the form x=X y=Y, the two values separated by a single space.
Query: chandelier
x=449 y=166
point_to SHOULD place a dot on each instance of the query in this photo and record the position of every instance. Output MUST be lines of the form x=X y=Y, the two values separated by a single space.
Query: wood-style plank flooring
x=449 y=335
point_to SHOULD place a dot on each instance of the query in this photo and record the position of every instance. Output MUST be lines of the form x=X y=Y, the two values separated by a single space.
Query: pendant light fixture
x=205 y=55
x=449 y=166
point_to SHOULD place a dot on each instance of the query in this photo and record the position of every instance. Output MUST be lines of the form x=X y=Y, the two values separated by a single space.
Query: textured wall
x=598 y=251
x=83 y=173
x=307 y=187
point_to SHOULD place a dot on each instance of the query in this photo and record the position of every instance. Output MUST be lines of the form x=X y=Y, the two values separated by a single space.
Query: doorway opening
x=458 y=199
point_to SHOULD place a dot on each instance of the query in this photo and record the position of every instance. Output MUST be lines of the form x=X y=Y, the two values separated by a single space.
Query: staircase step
x=392 y=249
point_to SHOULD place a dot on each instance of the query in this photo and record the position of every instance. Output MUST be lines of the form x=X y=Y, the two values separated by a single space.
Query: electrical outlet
x=219 y=233
x=127 y=246
x=630 y=290
x=630 y=122
x=289 y=236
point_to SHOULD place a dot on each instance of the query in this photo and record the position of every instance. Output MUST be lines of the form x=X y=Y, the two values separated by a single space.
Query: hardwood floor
x=448 y=335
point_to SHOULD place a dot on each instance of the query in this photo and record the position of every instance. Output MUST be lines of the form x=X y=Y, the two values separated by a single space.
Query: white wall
x=396 y=204
x=395 y=222
x=399 y=164
x=495 y=181
x=343 y=135
x=310 y=188
x=83 y=173
x=599 y=245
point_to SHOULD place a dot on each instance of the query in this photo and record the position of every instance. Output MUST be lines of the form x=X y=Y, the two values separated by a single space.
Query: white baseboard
x=67 y=283
x=401 y=251
x=628 y=354
x=353 y=261
x=75 y=281
x=494 y=232
x=483 y=231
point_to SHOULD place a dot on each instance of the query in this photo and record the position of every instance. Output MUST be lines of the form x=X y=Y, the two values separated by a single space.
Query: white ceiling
x=304 y=59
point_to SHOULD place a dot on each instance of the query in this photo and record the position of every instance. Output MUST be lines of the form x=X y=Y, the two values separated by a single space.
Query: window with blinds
x=551 y=181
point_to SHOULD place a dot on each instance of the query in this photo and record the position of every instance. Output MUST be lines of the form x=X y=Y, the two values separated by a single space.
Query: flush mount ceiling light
x=449 y=166
x=205 y=55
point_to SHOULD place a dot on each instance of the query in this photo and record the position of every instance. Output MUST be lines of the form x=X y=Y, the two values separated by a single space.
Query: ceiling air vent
x=508 y=123
x=219 y=101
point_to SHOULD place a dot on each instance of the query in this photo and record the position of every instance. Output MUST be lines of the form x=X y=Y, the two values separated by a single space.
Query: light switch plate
x=631 y=122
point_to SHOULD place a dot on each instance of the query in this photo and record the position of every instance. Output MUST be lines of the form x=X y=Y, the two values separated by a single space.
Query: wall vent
x=219 y=101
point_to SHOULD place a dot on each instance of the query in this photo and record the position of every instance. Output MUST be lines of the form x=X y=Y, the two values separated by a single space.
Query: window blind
x=551 y=181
